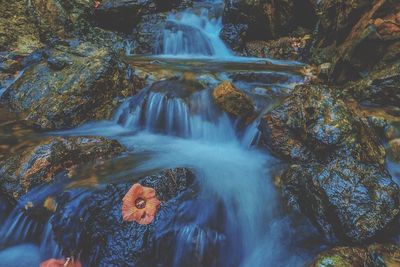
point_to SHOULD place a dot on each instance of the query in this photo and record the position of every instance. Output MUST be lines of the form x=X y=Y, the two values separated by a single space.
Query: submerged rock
x=232 y=100
x=373 y=255
x=339 y=179
x=40 y=163
x=75 y=85
x=175 y=87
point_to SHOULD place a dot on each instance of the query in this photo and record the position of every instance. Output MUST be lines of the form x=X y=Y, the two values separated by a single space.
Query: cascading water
x=195 y=35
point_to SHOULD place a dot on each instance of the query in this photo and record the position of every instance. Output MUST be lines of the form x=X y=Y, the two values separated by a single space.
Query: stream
x=178 y=127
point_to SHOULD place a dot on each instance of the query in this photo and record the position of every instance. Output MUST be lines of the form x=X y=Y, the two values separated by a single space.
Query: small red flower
x=140 y=204
x=61 y=263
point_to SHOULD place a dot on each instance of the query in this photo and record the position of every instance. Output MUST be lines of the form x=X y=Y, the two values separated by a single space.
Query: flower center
x=140 y=203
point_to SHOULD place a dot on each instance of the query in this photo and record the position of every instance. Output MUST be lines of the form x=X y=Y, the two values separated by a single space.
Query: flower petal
x=134 y=192
x=148 y=193
x=152 y=206
x=52 y=263
x=146 y=219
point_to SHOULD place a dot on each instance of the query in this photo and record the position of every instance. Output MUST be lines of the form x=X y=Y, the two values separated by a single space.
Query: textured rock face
x=373 y=255
x=40 y=163
x=232 y=100
x=336 y=18
x=341 y=183
x=148 y=32
x=362 y=28
x=123 y=15
x=264 y=20
x=74 y=85
x=103 y=239
x=379 y=87
x=17 y=32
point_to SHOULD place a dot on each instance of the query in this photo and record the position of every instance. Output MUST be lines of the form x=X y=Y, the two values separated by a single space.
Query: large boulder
x=373 y=255
x=380 y=87
x=123 y=15
x=338 y=178
x=336 y=18
x=263 y=20
x=102 y=238
x=42 y=162
x=349 y=30
x=148 y=33
x=232 y=100
x=70 y=86
x=18 y=33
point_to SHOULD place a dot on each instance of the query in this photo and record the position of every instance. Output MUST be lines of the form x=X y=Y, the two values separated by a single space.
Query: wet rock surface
x=17 y=32
x=123 y=15
x=232 y=100
x=345 y=40
x=42 y=162
x=339 y=179
x=246 y=21
x=74 y=85
x=103 y=239
x=373 y=255
x=379 y=88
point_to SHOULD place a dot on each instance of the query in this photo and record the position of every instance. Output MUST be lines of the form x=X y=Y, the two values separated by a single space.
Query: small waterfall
x=48 y=246
x=194 y=117
x=18 y=228
x=188 y=34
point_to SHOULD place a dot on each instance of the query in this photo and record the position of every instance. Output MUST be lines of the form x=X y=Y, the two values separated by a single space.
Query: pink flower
x=140 y=204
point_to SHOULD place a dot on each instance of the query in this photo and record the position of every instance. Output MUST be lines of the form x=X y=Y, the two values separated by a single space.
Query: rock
x=58 y=63
x=123 y=15
x=394 y=148
x=10 y=66
x=378 y=88
x=177 y=87
x=336 y=18
x=264 y=20
x=40 y=163
x=346 y=199
x=234 y=35
x=260 y=77
x=87 y=89
x=17 y=31
x=355 y=36
x=339 y=180
x=232 y=100
x=283 y=48
x=373 y=255
x=148 y=33
x=103 y=239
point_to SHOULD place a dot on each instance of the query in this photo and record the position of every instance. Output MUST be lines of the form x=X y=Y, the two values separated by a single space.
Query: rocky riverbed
x=269 y=131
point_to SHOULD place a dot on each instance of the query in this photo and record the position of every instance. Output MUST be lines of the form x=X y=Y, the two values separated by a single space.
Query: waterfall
x=194 y=117
x=187 y=34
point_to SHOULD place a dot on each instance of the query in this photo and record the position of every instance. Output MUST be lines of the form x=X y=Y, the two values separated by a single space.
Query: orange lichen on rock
x=140 y=204
x=389 y=26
